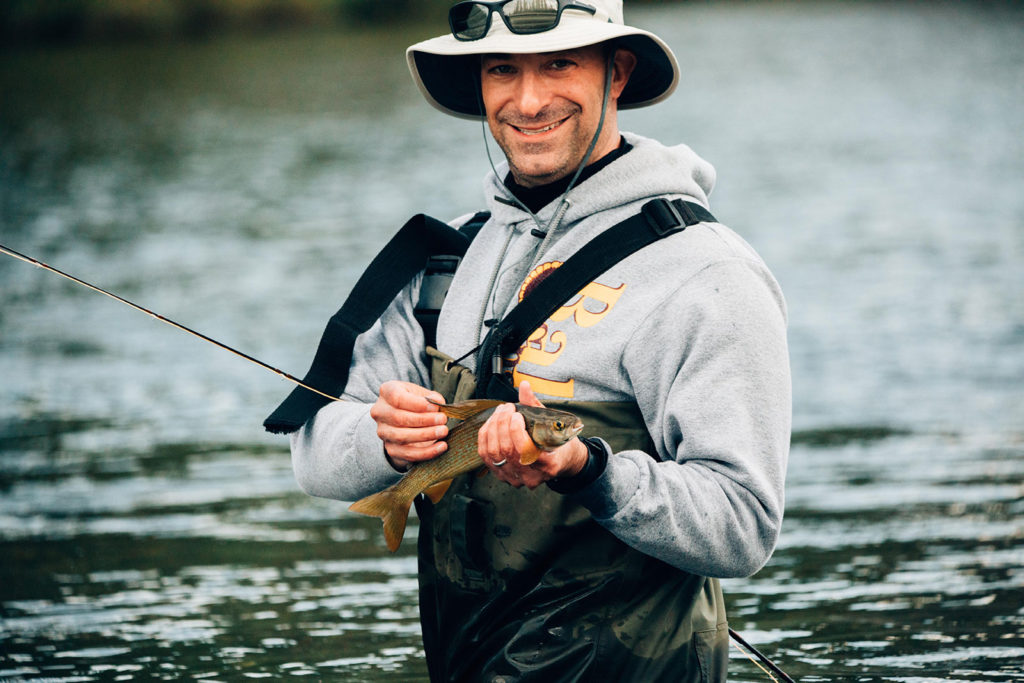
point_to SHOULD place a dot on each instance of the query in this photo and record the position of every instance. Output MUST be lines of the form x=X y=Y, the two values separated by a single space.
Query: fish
x=548 y=429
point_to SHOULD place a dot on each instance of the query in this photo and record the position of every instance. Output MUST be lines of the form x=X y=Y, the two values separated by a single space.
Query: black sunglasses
x=471 y=20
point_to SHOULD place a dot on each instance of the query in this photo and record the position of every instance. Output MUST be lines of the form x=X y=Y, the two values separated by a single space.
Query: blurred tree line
x=31 y=22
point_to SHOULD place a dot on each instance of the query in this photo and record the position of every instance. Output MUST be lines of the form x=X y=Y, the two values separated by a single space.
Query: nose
x=532 y=94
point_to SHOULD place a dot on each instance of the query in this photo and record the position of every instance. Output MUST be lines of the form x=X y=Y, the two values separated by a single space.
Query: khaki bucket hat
x=446 y=69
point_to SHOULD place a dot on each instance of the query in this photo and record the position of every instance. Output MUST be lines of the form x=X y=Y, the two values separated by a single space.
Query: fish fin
x=435 y=492
x=463 y=410
x=530 y=455
x=392 y=510
x=482 y=472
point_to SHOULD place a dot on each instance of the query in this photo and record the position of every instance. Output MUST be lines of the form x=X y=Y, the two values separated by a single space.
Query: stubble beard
x=568 y=154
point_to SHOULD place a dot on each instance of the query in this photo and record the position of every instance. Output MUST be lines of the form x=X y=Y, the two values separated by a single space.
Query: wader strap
x=437 y=278
x=394 y=267
x=657 y=219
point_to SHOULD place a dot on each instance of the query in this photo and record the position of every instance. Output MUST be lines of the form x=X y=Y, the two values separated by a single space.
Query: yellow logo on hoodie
x=543 y=347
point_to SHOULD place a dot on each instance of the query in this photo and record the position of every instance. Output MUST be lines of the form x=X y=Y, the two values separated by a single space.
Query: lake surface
x=872 y=153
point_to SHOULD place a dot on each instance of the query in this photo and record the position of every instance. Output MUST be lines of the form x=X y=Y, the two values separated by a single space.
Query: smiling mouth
x=539 y=131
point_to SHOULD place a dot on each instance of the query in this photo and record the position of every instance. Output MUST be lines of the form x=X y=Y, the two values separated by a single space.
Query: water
x=149 y=529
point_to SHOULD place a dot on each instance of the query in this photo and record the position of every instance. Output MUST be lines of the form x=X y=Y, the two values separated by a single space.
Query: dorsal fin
x=463 y=410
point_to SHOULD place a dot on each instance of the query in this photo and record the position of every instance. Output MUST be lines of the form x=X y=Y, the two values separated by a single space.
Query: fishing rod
x=291 y=378
x=764 y=658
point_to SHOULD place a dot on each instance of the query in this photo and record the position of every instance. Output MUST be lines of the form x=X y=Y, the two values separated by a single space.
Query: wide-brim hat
x=447 y=70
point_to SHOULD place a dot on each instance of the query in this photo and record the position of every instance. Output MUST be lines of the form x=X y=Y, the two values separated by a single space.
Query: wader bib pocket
x=526 y=585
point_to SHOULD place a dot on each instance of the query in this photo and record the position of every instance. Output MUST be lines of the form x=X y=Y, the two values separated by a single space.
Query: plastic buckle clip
x=663 y=216
x=442 y=263
x=666 y=217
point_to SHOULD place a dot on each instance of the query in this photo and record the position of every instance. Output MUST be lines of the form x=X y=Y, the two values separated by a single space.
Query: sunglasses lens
x=469 y=20
x=531 y=16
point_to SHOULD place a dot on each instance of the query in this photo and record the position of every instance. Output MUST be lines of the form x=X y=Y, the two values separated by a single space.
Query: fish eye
x=559 y=425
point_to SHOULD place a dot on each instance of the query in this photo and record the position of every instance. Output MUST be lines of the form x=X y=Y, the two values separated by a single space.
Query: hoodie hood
x=649 y=170
x=512 y=243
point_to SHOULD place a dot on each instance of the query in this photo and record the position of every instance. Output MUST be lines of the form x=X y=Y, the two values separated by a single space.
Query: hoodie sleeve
x=719 y=395
x=337 y=453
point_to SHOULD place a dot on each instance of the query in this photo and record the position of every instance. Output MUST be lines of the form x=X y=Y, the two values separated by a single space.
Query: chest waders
x=520 y=585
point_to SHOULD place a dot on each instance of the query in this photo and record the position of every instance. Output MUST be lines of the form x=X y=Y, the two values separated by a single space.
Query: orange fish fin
x=463 y=410
x=435 y=492
x=482 y=472
x=394 y=513
x=530 y=455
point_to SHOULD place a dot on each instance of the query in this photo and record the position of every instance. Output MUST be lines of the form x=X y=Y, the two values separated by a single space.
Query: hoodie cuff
x=377 y=468
x=598 y=451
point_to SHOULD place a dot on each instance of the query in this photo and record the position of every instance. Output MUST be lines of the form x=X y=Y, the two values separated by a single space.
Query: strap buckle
x=666 y=216
x=442 y=263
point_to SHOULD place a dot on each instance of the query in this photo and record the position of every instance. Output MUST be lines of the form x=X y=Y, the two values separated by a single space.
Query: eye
x=561 y=64
x=559 y=425
x=499 y=69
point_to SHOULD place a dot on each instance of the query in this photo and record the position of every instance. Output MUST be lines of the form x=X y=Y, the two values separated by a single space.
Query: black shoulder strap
x=398 y=262
x=657 y=219
x=471 y=227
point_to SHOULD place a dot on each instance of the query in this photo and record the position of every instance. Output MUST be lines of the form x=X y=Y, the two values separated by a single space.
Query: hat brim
x=447 y=70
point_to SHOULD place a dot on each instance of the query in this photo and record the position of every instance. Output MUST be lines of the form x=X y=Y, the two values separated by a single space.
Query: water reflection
x=148 y=529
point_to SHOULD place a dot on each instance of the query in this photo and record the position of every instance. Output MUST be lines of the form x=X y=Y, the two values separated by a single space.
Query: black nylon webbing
x=406 y=255
x=397 y=263
x=657 y=219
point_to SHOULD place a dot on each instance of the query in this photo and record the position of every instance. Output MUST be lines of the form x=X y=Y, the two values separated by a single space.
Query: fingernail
x=441 y=432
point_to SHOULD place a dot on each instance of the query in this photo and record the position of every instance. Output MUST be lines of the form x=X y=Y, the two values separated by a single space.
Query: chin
x=530 y=174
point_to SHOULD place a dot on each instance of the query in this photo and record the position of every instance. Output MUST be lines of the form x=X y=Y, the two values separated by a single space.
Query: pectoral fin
x=530 y=454
x=435 y=492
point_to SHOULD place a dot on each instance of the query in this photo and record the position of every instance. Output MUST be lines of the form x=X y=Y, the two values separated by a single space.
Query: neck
x=536 y=197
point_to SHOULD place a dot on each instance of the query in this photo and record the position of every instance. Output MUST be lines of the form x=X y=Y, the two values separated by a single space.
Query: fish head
x=550 y=428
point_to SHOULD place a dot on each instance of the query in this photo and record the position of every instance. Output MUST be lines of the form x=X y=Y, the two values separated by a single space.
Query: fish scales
x=461 y=457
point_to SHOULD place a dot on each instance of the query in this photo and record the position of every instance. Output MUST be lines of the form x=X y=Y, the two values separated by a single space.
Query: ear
x=622 y=68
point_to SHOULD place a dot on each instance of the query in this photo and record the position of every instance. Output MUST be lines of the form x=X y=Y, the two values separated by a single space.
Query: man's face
x=543 y=109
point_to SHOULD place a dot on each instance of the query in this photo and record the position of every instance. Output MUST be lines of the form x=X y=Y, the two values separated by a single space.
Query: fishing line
x=28 y=259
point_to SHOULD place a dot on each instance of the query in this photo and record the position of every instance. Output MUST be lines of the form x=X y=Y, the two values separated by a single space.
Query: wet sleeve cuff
x=598 y=451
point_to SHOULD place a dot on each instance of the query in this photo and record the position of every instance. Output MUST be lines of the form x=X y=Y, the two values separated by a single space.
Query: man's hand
x=409 y=425
x=504 y=438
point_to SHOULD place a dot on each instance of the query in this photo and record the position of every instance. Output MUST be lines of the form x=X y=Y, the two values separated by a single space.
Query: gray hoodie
x=692 y=328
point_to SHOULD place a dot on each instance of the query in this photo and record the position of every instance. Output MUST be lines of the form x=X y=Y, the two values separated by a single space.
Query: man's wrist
x=597 y=461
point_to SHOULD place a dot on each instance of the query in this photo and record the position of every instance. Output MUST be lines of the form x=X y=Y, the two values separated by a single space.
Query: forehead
x=585 y=52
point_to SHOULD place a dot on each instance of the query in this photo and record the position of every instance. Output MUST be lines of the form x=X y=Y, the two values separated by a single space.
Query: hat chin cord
x=563 y=202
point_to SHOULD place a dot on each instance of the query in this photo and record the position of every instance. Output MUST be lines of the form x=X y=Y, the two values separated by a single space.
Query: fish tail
x=393 y=511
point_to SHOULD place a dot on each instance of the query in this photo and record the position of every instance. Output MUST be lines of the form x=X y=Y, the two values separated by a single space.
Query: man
x=600 y=561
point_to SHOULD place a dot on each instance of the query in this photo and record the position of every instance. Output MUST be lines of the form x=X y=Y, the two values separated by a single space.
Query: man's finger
x=527 y=397
x=397 y=434
x=414 y=453
x=411 y=397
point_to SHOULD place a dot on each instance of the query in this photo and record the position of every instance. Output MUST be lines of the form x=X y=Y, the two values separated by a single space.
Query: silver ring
x=499 y=464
